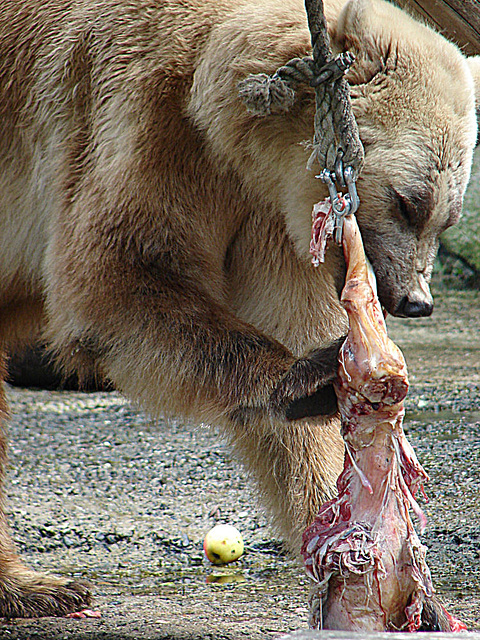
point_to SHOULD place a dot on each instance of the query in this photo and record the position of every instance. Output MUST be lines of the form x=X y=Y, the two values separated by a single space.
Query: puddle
x=442 y=415
x=267 y=574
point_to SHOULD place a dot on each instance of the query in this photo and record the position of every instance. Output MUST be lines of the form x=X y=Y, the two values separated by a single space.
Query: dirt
x=99 y=491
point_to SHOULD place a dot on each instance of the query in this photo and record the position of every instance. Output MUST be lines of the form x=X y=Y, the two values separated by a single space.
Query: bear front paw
x=306 y=389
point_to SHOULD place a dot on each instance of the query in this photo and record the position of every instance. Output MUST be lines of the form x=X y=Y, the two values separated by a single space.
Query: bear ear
x=474 y=64
x=353 y=18
x=354 y=32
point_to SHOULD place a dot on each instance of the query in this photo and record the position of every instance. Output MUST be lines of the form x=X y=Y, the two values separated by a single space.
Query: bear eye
x=415 y=208
x=405 y=208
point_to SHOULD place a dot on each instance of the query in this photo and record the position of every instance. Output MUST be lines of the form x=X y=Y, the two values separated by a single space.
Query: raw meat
x=362 y=550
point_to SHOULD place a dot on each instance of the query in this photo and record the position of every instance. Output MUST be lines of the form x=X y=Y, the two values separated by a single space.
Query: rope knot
x=264 y=95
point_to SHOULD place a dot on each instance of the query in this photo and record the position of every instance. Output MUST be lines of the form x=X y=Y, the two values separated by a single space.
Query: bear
x=156 y=232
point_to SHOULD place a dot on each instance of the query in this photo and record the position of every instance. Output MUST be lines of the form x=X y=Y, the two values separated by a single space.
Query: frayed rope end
x=264 y=95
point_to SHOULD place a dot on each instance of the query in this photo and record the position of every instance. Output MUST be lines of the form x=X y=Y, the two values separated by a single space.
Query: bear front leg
x=159 y=326
x=25 y=593
x=198 y=361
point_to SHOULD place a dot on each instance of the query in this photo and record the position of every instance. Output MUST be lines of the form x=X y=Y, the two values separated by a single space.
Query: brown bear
x=155 y=230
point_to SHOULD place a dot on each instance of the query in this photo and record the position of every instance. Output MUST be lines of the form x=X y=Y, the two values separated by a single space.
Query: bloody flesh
x=362 y=550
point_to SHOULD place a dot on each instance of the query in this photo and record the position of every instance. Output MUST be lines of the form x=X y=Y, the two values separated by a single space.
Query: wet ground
x=99 y=491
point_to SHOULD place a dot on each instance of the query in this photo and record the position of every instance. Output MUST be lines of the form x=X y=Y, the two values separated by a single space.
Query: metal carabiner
x=341 y=206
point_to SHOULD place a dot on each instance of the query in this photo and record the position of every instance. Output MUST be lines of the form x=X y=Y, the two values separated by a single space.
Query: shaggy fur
x=155 y=231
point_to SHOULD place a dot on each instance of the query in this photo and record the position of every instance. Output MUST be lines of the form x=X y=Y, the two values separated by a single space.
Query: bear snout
x=414 y=307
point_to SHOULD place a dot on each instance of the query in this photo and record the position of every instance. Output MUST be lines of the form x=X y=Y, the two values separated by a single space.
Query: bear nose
x=414 y=308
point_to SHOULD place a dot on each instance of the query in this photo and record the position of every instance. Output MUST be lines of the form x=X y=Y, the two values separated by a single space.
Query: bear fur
x=155 y=231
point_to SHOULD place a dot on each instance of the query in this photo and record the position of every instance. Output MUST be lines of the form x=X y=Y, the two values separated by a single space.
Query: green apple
x=223 y=544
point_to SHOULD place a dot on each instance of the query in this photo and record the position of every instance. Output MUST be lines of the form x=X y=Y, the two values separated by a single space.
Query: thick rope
x=336 y=133
x=336 y=142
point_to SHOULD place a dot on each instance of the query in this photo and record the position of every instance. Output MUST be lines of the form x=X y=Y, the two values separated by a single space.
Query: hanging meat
x=362 y=550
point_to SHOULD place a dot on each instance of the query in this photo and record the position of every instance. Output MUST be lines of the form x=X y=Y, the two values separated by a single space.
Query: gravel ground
x=99 y=491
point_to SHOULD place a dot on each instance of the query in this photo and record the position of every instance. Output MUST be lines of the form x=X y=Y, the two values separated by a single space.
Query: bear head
x=413 y=97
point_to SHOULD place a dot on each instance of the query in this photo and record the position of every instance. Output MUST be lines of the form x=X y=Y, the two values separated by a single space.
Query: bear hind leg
x=25 y=593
